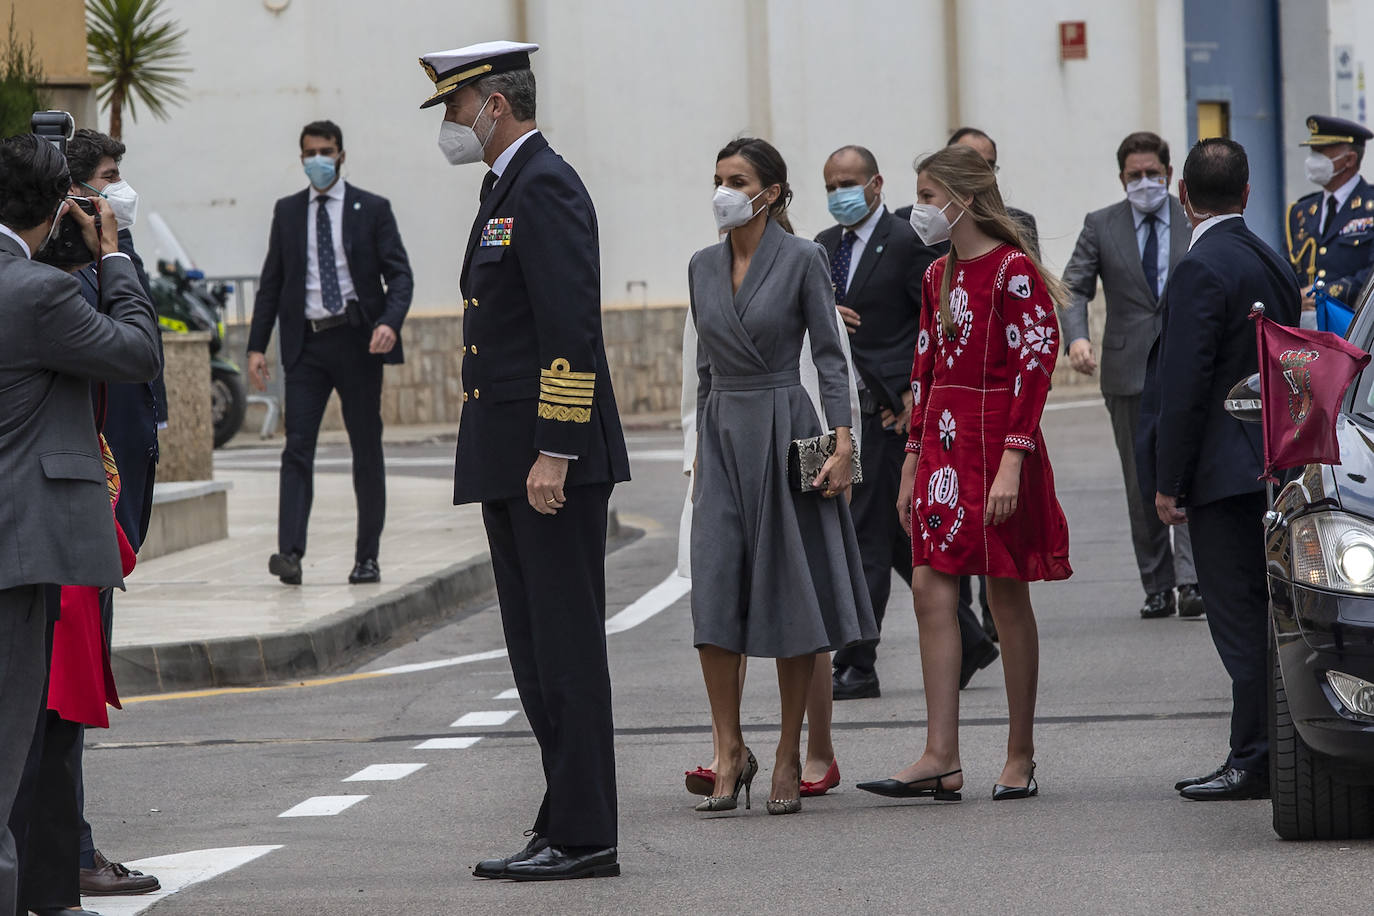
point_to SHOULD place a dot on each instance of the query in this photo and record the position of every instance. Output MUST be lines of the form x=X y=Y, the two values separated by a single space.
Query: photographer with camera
x=56 y=523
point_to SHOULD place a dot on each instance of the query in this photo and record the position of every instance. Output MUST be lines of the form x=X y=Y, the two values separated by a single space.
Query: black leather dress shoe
x=496 y=868
x=365 y=572
x=1190 y=601
x=850 y=683
x=1199 y=780
x=1230 y=785
x=1158 y=604
x=286 y=567
x=559 y=863
x=989 y=627
x=976 y=662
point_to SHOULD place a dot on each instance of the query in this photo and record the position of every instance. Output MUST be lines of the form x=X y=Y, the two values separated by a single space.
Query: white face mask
x=1320 y=170
x=733 y=209
x=459 y=144
x=124 y=202
x=1147 y=194
x=931 y=224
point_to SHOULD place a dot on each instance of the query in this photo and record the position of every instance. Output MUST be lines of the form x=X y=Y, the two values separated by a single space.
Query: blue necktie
x=839 y=266
x=324 y=252
x=1149 y=259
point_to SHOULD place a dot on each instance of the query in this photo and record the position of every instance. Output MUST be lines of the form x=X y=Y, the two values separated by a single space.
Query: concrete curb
x=327 y=644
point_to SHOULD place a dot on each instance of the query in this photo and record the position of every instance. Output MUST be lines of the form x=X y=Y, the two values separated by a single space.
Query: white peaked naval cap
x=452 y=70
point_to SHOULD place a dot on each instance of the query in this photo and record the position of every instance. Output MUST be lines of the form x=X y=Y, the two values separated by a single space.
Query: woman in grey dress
x=776 y=573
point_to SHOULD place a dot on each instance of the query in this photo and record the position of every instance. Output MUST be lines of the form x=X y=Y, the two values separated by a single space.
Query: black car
x=1319 y=538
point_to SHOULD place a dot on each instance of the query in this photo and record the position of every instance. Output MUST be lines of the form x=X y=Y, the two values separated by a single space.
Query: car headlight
x=1333 y=550
x=1355 y=692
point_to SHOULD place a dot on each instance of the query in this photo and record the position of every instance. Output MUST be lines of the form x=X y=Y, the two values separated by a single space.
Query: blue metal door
x=1233 y=80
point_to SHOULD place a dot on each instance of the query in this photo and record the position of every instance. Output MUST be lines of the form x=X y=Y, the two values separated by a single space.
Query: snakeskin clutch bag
x=806 y=457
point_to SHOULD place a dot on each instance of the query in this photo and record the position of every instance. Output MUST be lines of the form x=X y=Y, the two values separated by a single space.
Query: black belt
x=324 y=324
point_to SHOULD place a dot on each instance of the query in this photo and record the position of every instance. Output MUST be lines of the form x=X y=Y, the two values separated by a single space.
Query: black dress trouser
x=1228 y=548
x=333 y=360
x=883 y=545
x=551 y=583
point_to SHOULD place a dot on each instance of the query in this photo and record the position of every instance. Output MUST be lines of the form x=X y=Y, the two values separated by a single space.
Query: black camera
x=67 y=248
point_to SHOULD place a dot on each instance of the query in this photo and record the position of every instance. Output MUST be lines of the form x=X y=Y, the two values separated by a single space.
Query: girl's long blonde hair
x=962 y=173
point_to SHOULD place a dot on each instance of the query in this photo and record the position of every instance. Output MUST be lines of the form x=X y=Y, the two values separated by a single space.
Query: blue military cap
x=452 y=70
x=1324 y=131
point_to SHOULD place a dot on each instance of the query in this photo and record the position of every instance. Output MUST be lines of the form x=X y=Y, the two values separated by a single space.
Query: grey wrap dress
x=775 y=573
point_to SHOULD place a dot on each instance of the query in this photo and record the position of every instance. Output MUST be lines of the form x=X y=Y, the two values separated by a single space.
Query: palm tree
x=132 y=57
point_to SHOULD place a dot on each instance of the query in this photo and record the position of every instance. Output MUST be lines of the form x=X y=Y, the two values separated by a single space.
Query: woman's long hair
x=962 y=173
x=769 y=166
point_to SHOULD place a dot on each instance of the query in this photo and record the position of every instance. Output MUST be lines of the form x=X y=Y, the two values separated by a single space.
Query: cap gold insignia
x=1355 y=204
x=1312 y=210
x=429 y=70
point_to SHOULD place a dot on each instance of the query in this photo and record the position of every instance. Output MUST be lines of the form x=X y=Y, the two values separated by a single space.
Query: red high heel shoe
x=701 y=781
x=830 y=780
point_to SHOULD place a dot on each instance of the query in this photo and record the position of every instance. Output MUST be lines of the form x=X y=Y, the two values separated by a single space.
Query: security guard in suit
x=1330 y=233
x=540 y=445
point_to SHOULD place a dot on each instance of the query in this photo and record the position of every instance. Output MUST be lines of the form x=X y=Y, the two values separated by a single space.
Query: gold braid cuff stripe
x=565 y=414
x=560 y=399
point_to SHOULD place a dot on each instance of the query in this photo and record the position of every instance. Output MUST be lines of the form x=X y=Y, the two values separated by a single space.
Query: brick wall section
x=643 y=347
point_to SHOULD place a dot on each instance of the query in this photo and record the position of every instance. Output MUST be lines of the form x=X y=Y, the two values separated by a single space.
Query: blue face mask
x=320 y=170
x=848 y=205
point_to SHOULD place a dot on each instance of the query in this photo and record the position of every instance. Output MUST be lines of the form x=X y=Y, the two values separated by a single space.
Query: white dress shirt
x=1342 y=194
x=1161 y=227
x=862 y=233
x=334 y=202
x=1208 y=223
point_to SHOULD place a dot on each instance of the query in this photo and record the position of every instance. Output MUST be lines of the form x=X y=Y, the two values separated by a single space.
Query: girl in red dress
x=977 y=493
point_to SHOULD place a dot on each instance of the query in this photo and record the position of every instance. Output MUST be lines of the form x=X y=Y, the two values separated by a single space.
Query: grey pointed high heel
x=784 y=805
x=745 y=780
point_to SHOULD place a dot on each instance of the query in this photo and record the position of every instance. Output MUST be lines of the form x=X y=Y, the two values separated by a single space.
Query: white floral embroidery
x=1013 y=337
x=1041 y=339
x=943 y=489
x=947 y=429
x=1016 y=390
x=1020 y=286
x=915 y=392
x=923 y=342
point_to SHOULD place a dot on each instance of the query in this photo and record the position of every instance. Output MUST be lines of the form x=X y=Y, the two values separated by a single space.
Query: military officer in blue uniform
x=540 y=444
x=1330 y=233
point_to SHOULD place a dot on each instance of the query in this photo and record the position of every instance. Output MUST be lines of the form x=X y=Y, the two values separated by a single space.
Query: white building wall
x=639 y=97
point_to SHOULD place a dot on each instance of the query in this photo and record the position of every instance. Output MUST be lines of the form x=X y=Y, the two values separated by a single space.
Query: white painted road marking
x=176 y=872
x=661 y=596
x=384 y=772
x=323 y=806
x=512 y=694
x=445 y=662
x=445 y=744
x=489 y=717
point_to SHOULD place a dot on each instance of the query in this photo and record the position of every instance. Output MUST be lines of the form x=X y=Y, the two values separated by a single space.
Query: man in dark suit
x=133 y=414
x=1207 y=463
x=540 y=445
x=877 y=266
x=1330 y=232
x=1132 y=245
x=55 y=521
x=338 y=282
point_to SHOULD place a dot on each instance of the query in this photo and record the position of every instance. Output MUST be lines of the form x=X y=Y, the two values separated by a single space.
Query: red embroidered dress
x=975 y=395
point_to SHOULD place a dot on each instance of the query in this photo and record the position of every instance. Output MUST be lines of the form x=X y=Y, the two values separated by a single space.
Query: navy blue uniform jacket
x=372 y=246
x=534 y=362
x=1202 y=454
x=1340 y=258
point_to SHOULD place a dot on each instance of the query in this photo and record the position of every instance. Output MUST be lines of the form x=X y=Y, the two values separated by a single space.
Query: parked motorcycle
x=186 y=302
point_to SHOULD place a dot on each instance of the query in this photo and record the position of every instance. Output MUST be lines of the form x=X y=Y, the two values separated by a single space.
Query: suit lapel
x=873 y=250
x=524 y=154
x=300 y=210
x=759 y=266
x=725 y=301
x=352 y=215
x=1124 y=236
x=1180 y=231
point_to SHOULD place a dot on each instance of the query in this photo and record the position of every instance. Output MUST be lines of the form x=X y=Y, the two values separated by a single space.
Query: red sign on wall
x=1073 y=41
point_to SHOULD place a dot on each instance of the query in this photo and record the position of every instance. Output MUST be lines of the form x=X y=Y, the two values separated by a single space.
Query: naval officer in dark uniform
x=1330 y=233
x=540 y=444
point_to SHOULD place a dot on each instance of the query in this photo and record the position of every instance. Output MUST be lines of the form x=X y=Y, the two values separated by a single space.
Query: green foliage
x=21 y=76
x=133 y=57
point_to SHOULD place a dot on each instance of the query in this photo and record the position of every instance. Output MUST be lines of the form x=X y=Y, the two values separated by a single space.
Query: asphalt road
x=1126 y=707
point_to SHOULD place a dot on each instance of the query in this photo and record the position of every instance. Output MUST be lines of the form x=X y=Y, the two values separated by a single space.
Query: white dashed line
x=323 y=806
x=446 y=744
x=384 y=772
x=656 y=599
x=177 y=871
x=511 y=694
x=489 y=717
